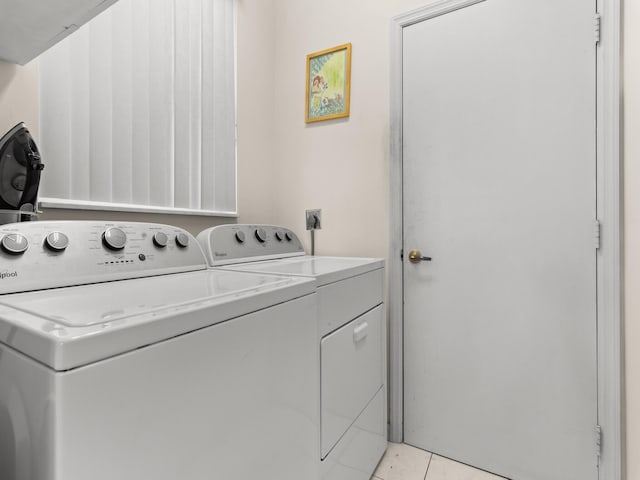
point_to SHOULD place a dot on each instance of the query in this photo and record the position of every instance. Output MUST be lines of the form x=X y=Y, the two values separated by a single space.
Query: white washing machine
x=123 y=357
x=351 y=338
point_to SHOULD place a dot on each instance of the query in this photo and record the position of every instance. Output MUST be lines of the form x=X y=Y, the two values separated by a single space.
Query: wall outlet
x=314 y=219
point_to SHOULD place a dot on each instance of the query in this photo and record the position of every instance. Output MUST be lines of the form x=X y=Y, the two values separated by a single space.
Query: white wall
x=632 y=231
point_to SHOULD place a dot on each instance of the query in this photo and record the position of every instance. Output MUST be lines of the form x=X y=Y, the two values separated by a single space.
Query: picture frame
x=328 y=90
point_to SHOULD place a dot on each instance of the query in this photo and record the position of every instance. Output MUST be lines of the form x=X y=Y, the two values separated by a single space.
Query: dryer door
x=351 y=374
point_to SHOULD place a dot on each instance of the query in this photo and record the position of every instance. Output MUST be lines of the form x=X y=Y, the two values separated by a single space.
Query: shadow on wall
x=7 y=74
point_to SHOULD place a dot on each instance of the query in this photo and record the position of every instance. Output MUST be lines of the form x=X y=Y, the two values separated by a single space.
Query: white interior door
x=499 y=189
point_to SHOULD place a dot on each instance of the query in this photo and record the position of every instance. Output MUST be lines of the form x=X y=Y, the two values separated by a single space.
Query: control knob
x=279 y=236
x=14 y=243
x=182 y=240
x=160 y=239
x=261 y=235
x=240 y=237
x=288 y=236
x=56 y=241
x=114 y=238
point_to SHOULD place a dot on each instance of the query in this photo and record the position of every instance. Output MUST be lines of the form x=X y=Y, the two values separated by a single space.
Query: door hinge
x=596 y=234
x=597 y=22
x=598 y=438
x=401 y=254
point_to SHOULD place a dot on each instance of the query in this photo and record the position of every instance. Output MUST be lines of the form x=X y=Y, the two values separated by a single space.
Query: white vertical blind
x=122 y=118
x=79 y=115
x=137 y=108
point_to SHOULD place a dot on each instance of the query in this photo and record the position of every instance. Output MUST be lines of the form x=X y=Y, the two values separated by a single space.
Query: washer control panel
x=50 y=254
x=226 y=244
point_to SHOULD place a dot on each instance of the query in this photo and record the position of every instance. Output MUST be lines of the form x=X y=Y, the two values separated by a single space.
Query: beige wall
x=632 y=231
x=19 y=96
x=256 y=80
x=341 y=166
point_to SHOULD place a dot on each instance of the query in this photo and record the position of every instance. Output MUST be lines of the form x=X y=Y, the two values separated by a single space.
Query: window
x=137 y=110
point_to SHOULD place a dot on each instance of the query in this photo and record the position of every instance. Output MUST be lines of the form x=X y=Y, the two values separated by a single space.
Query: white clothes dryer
x=351 y=338
x=123 y=357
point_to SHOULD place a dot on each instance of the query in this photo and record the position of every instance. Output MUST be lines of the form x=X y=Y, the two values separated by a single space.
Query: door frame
x=609 y=211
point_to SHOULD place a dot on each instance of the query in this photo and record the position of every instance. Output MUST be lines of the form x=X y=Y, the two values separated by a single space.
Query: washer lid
x=324 y=269
x=68 y=327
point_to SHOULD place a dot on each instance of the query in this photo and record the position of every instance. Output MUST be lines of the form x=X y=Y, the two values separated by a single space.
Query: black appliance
x=20 y=169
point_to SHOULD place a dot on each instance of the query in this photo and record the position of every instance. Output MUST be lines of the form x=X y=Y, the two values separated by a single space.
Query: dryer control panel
x=49 y=254
x=227 y=244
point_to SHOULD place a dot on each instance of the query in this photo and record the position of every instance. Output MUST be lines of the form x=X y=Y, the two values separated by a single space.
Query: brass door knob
x=415 y=256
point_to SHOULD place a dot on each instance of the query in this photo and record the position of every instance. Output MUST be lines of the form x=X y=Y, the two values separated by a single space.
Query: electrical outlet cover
x=313 y=218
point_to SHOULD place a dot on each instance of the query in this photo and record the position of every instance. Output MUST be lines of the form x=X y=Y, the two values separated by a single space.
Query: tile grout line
x=428 y=465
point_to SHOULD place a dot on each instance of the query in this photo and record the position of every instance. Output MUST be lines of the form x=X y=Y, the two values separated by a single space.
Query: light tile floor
x=404 y=462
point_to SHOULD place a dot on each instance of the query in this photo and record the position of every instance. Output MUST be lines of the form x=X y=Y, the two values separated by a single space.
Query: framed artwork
x=328 y=84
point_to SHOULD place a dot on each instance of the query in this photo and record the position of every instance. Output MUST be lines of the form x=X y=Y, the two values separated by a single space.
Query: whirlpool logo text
x=4 y=275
